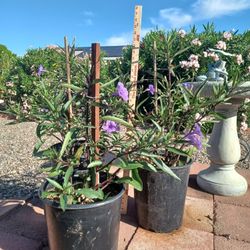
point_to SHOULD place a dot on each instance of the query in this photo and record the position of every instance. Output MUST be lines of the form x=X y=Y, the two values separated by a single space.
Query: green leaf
x=104 y=85
x=90 y=193
x=118 y=120
x=79 y=153
x=157 y=125
x=162 y=166
x=68 y=174
x=68 y=103
x=54 y=183
x=136 y=182
x=149 y=167
x=65 y=143
x=73 y=87
x=94 y=164
x=177 y=151
x=63 y=202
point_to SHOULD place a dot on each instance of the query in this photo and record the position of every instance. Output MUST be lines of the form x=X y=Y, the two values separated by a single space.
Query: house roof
x=110 y=51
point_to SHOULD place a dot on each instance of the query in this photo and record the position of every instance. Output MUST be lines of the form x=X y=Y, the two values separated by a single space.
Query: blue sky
x=31 y=24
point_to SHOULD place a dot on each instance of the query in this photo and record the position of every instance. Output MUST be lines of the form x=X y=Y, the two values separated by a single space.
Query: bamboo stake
x=69 y=95
x=95 y=93
x=133 y=89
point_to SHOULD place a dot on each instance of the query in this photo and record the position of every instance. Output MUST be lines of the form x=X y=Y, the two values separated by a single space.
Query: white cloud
x=122 y=39
x=215 y=8
x=199 y=10
x=173 y=17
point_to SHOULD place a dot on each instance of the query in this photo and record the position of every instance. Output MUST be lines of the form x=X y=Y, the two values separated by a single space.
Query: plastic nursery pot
x=87 y=227
x=160 y=205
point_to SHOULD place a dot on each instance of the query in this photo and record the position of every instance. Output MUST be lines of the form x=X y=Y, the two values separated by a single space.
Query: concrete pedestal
x=224 y=152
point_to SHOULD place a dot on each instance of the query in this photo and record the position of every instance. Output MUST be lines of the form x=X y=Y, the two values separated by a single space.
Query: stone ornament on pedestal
x=224 y=150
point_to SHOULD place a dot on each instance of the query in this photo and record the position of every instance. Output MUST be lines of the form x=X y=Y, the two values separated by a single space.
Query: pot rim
x=79 y=206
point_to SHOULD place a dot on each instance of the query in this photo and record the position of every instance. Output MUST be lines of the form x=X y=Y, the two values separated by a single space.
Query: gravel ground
x=20 y=173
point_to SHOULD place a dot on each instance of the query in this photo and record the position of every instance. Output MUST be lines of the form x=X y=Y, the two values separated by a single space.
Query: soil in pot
x=92 y=226
x=160 y=206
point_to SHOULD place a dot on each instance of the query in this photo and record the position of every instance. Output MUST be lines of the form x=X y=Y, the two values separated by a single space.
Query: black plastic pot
x=160 y=205
x=86 y=227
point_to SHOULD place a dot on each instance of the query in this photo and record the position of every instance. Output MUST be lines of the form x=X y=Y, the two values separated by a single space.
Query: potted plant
x=82 y=192
x=177 y=109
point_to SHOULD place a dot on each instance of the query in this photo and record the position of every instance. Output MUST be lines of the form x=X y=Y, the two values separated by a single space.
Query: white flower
x=247 y=100
x=216 y=57
x=184 y=64
x=193 y=58
x=221 y=45
x=182 y=33
x=205 y=54
x=196 y=42
x=1 y=101
x=243 y=126
x=9 y=84
x=239 y=59
x=227 y=35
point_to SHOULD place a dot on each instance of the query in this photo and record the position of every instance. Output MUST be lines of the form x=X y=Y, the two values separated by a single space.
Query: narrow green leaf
x=73 y=87
x=118 y=120
x=177 y=151
x=104 y=85
x=136 y=182
x=54 y=183
x=149 y=167
x=68 y=174
x=90 y=193
x=94 y=164
x=162 y=166
x=63 y=202
x=157 y=125
x=65 y=143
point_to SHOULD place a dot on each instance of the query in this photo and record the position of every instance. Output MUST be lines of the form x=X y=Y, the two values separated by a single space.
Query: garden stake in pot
x=133 y=89
x=95 y=93
x=69 y=95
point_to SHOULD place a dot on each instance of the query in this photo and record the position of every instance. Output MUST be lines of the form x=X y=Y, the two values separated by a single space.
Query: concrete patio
x=210 y=223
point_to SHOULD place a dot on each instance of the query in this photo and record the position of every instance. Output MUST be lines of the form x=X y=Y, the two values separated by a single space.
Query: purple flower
x=110 y=127
x=121 y=91
x=187 y=85
x=151 y=89
x=195 y=137
x=40 y=70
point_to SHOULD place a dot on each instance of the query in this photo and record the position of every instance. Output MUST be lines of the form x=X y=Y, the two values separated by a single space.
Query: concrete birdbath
x=224 y=150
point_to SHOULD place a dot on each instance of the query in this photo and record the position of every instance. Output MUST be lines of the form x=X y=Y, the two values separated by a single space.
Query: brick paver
x=222 y=243
x=232 y=221
x=210 y=223
x=198 y=214
x=184 y=239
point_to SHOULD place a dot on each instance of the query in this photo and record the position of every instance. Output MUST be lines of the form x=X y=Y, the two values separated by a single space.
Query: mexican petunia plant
x=83 y=171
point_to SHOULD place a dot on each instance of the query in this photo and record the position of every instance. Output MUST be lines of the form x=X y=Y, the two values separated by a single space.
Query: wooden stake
x=155 y=76
x=69 y=95
x=95 y=93
x=133 y=89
